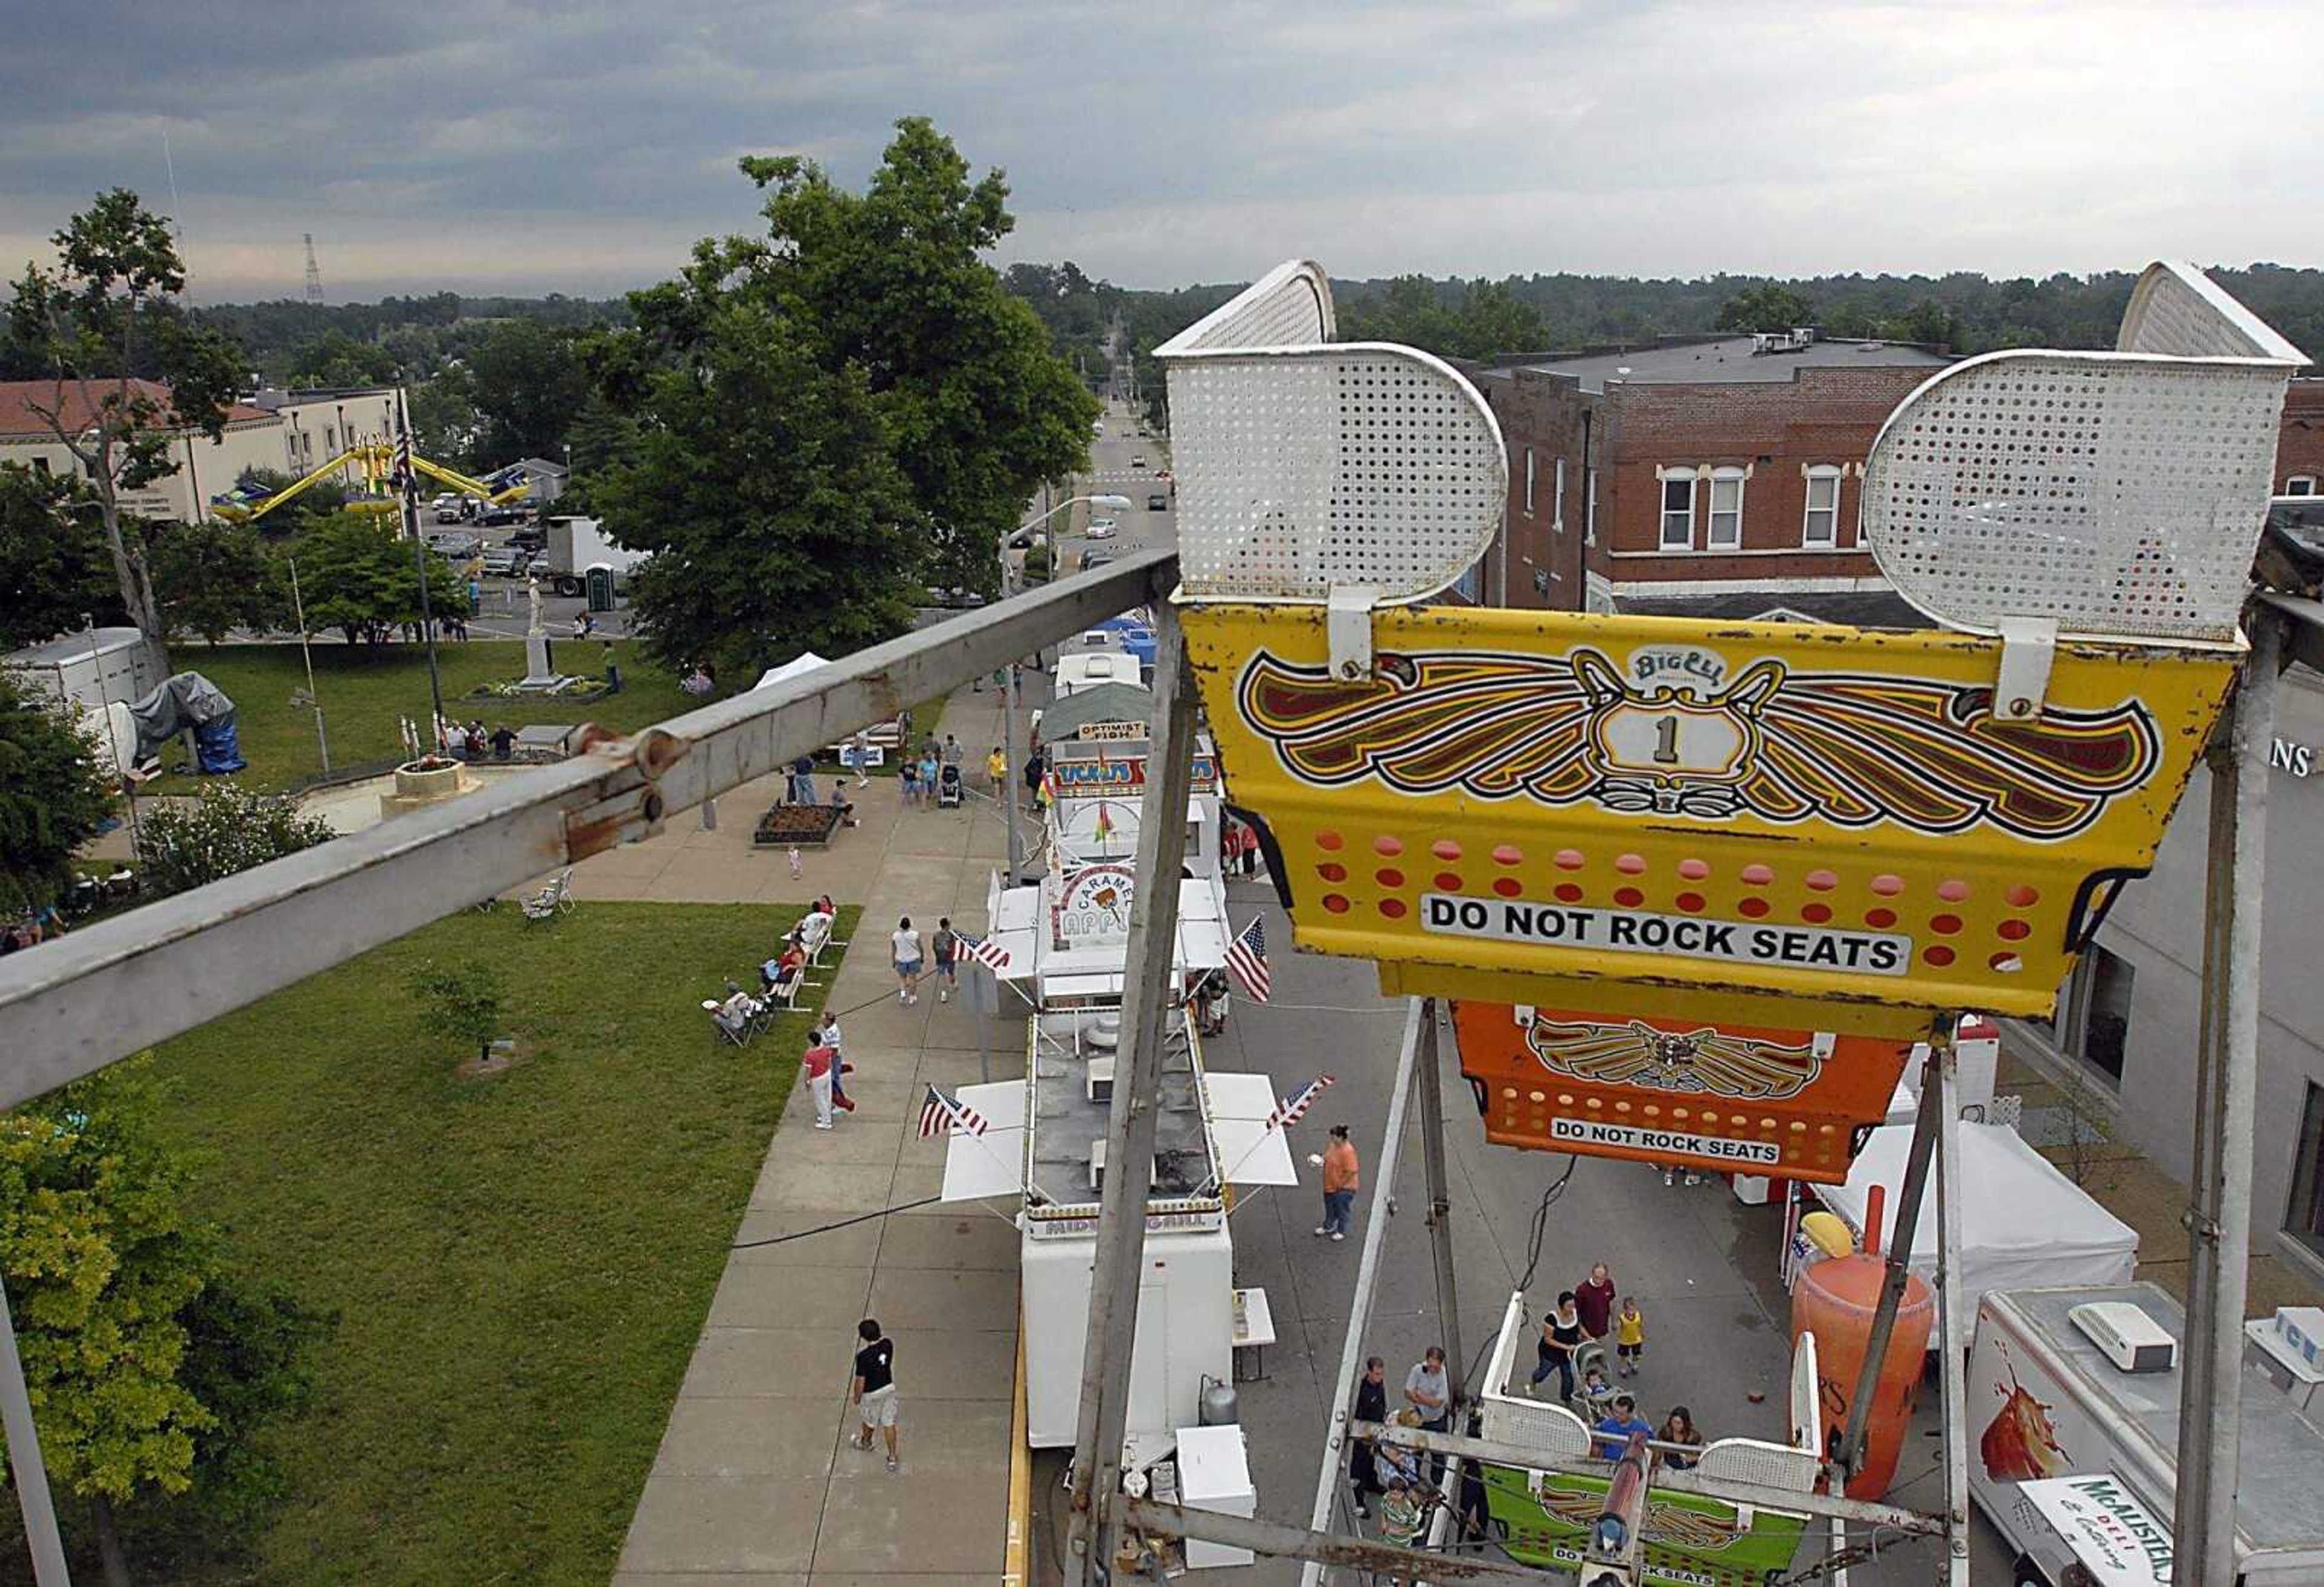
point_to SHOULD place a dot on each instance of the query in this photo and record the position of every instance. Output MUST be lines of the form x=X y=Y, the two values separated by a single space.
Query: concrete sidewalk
x=755 y=1484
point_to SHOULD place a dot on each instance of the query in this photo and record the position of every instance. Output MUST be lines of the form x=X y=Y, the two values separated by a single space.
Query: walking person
x=1372 y=1406
x=1594 y=1298
x=1630 y=1335
x=1341 y=1178
x=874 y=1390
x=826 y=1034
x=908 y=773
x=820 y=1064
x=945 y=946
x=863 y=758
x=1560 y=1336
x=1428 y=1390
x=996 y=772
x=904 y=952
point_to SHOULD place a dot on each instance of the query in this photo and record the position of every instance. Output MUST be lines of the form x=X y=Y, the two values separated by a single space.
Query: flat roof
x=1726 y=360
x=1063 y=1120
x=1862 y=609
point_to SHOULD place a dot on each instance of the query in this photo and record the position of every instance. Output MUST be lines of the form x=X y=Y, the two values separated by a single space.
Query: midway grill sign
x=1724 y=1098
x=1780 y=826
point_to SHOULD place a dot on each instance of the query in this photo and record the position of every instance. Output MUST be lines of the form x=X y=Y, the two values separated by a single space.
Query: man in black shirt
x=1372 y=1406
x=874 y=1391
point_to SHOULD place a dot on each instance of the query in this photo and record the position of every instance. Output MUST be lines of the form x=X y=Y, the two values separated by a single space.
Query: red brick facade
x=1545 y=424
x=2299 y=452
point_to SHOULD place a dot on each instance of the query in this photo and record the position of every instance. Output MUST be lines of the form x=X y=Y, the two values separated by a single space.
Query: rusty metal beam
x=108 y=990
x=1327 y=1548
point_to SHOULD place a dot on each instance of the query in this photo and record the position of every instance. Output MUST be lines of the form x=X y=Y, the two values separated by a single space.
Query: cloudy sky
x=581 y=145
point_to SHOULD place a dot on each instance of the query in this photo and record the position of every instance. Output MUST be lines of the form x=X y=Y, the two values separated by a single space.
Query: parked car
x=1159 y=501
x=507 y=562
x=1096 y=558
x=956 y=598
x=448 y=509
x=1137 y=462
x=456 y=544
x=1026 y=539
x=531 y=537
x=1102 y=528
x=505 y=512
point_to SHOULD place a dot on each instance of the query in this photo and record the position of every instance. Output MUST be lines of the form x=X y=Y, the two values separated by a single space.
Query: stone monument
x=539 y=676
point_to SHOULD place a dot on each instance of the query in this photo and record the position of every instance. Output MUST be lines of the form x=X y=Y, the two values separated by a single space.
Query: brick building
x=2300 y=454
x=1692 y=475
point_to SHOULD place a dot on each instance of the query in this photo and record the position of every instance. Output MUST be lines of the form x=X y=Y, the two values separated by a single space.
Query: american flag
x=941 y=1115
x=1293 y=1108
x=400 y=472
x=982 y=950
x=1247 y=958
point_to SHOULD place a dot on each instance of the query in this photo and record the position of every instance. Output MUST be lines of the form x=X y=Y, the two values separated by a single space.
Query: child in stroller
x=948 y=788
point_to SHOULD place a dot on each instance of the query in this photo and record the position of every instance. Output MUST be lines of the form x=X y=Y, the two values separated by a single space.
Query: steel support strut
x=2218 y=1215
x=1330 y=1482
x=1941 y=1077
x=26 y=1469
x=1898 y=1252
x=1147 y=1002
x=1440 y=1205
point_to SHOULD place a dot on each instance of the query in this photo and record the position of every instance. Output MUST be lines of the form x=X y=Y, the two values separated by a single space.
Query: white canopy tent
x=804 y=661
x=1249 y=1153
x=2023 y=1222
x=1020 y=927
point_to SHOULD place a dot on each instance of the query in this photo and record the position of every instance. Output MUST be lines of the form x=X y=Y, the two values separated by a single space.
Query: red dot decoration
x=1693 y=870
x=1332 y=870
x=2013 y=930
x=1952 y=892
x=1944 y=925
x=1393 y=908
x=1815 y=914
x=1507 y=886
x=1691 y=902
x=1753 y=908
x=1937 y=954
x=2002 y=962
x=1328 y=839
x=1445 y=848
x=2022 y=896
x=1629 y=897
x=1567 y=893
x=1335 y=904
x=1888 y=887
x=1446 y=882
x=1630 y=865
x=1508 y=854
x=1386 y=845
x=1880 y=920
x=1569 y=860
x=1758 y=876
x=1388 y=877
x=1820 y=881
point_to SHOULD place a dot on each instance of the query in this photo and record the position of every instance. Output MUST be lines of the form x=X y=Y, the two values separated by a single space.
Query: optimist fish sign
x=1784 y=826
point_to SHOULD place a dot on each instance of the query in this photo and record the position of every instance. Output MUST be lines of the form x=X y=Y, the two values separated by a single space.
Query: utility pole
x=306 y=655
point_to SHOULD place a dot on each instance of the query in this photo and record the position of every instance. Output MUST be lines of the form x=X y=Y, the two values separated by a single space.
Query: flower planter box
x=806 y=825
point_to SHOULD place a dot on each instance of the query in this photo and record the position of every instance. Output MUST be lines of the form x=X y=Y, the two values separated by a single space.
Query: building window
x=2304 y=1219
x=2300 y=485
x=1726 y=526
x=1557 y=495
x=1822 y=525
x=1589 y=507
x=1678 y=513
x=2099 y=1011
x=1529 y=507
x=331 y=438
x=291 y=450
x=40 y=467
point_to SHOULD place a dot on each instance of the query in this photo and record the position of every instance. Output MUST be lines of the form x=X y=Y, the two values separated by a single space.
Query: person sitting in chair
x=781 y=974
x=734 y=1015
x=840 y=802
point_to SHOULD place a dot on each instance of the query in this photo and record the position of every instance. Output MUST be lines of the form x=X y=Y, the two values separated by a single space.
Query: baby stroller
x=1593 y=1388
x=948 y=788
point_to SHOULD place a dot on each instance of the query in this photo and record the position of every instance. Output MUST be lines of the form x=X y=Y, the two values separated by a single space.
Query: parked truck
x=577 y=545
x=2073 y=1409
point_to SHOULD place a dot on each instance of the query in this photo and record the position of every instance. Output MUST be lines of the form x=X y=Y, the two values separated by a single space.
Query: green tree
x=765 y=490
x=337 y=359
x=444 y=426
x=527 y=382
x=101 y=1257
x=978 y=409
x=1493 y=322
x=105 y=316
x=1769 y=306
x=213 y=577
x=55 y=792
x=224 y=830
x=324 y=499
x=54 y=574
x=356 y=576
x=460 y=1004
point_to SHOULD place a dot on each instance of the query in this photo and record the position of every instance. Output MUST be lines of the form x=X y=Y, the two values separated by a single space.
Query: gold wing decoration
x=1669 y=1524
x=1707 y=1060
x=1854 y=750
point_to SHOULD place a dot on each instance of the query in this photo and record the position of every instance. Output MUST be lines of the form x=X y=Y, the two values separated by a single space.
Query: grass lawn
x=522 y=1263
x=366 y=694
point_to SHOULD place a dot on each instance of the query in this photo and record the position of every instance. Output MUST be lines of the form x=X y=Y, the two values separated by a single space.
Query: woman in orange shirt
x=1341 y=1179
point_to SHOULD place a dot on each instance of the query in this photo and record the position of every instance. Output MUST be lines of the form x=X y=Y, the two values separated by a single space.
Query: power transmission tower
x=314 y=274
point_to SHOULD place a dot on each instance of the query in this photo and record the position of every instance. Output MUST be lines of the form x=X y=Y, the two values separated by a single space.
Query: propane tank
x=1220 y=1406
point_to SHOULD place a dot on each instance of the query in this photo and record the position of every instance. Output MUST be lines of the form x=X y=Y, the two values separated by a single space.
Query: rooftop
x=1066 y=1121
x=19 y=398
x=1862 y=609
x=1724 y=359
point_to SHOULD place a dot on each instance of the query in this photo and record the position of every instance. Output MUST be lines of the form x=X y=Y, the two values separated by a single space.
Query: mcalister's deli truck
x=2075 y=1458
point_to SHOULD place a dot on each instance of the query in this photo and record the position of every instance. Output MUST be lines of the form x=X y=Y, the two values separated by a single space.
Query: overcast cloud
x=582 y=146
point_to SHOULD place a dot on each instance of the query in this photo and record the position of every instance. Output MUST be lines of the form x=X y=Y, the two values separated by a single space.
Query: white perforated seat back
x=2117 y=494
x=1306 y=466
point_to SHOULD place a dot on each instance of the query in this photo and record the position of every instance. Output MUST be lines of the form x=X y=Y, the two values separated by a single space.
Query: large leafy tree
x=214 y=577
x=355 y=576
x=1769 y=306
x=54 y=795
x=890 y=280
x=54 y=574
x=526 y=381
x=762 y=484
x=102 y=327
x=222 y=830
